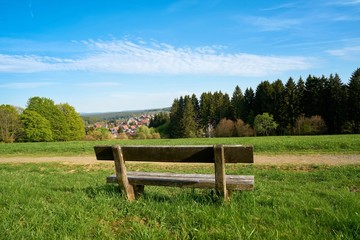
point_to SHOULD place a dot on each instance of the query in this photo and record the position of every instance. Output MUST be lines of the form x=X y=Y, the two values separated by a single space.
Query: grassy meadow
x=59 y=201
x=69 y=201
x=331 y=144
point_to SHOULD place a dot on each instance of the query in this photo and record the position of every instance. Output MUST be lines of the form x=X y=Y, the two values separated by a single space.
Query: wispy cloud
x=26 y=85
x=122 y=56
x=99 y=84
x=346 y=52
x=272 y=23
x=346 y=2
x=281 y=6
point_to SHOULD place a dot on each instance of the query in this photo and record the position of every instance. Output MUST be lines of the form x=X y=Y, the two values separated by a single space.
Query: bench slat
x=233 y=182
x=189 y=153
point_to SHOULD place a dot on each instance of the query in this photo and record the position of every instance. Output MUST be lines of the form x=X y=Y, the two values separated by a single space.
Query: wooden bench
x=132 y=183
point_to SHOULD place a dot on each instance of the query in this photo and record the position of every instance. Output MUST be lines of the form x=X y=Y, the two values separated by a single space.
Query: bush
x=243 y=129
x=225 y=128
x=264 y=124
x=314 y=125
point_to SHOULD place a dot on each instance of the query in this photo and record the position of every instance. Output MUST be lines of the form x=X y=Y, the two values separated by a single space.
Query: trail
x=258 y=159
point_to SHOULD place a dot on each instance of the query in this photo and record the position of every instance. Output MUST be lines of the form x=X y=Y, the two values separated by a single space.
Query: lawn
x=331 y=144
x=62 y=201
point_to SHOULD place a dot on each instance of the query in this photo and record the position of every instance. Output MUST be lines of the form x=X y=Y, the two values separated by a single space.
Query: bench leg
x=139 y=191
x=121 y=174
x=220 y=179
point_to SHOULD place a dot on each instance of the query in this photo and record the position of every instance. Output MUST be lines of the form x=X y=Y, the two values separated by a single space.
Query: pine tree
x=264 y=98
x=354 y=100
x=249 y=112
x=188 y=119
x=237 y=104
x=278 y=105
x=291 y=100
x=334 y=113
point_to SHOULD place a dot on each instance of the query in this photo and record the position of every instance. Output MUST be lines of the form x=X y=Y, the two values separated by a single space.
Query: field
x=72 y=201
x=332 y=144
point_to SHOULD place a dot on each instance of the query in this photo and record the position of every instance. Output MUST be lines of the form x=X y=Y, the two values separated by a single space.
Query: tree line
x=41 y=121
x=316 y=105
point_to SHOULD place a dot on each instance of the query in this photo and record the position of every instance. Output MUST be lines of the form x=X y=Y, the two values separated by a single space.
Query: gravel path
x=259 y=159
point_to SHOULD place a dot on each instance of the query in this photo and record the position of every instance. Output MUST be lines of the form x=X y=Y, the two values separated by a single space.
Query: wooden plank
x=233 y=182
x=220 y=180
x=190 y=153
x=121 y=175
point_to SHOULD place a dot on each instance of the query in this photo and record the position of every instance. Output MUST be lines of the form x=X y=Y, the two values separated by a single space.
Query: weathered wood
x=220 y=180
x=190 y=153
x=121 y=175
x=233 y=182
x=132 y=183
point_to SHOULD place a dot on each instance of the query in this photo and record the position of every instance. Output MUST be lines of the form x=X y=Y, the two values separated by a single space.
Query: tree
x=300 y=86
x=314 y=96
x=278 y=105
x=188 y=119
x=47 y=108
x=9 y=123
x=159 y=119
x=175 y=116
x=264 y=124
x=237 y=103
x=291 y=101
x=264 y=98
x=249 y=100
x=225 y=128
x=207 y=110
x=35 y=128
x=354 y=100
x=335 y=102
x=76 y=127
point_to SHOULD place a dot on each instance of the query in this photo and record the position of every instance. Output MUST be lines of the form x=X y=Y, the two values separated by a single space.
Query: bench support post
x=121 y=175
x=220 y=179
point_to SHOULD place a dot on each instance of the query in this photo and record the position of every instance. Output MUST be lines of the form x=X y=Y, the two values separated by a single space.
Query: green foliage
x=62 y=201
x=75 y=124
x=99 y=134
x=264 y=124
x=313 y=125
x=354 y=100
x=47 y=108
x=9 y=123
x=183 y=118
x=159 y=119
x=35 y=128
x=144 y=132
x=324 y=144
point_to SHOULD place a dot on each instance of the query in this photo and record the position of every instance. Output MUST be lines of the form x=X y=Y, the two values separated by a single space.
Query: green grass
x=59 y=201
x=332 y=144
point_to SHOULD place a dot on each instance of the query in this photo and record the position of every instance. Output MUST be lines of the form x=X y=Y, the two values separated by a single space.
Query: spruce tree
x=354 y=100
x=237 y=104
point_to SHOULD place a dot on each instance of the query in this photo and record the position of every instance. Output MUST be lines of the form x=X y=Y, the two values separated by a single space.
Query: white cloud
x=272 y=24
x=122 y=56
x=99 y=84
x=347 y=2
x=346 y=52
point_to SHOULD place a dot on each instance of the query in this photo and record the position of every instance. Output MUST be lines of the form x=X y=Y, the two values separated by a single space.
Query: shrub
x=243 y=129
x=225 y=128
x=310 y=126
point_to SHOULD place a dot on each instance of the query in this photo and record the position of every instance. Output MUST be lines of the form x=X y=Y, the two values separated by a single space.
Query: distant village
x=128 y=126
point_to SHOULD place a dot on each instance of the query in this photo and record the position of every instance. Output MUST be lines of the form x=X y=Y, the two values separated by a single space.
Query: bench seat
x=233 y=182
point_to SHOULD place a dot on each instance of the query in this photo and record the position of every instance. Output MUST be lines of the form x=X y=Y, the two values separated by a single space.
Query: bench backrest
x=186 y=153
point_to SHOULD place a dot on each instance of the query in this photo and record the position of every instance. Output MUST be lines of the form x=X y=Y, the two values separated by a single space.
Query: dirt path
x=259 y=159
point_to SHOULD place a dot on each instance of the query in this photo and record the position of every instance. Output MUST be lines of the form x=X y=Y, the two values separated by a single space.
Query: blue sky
x=115 y=55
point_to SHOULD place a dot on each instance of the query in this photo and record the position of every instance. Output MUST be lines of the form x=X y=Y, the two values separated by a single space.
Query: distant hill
x=123 y=114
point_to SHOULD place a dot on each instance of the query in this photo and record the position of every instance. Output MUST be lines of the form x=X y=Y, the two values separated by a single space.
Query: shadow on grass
x=153 y=194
